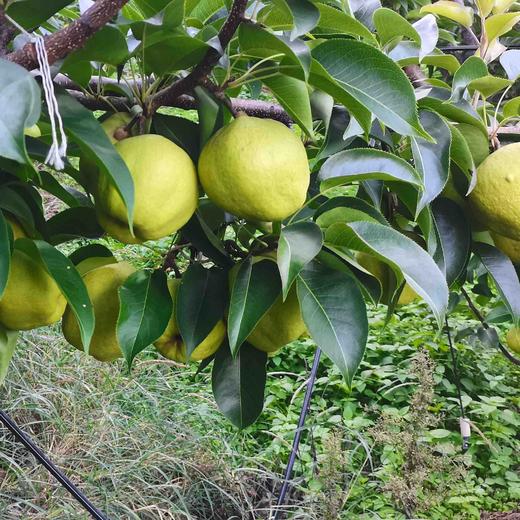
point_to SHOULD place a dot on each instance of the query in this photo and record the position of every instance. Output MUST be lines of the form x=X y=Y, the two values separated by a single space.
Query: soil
x=513 y=515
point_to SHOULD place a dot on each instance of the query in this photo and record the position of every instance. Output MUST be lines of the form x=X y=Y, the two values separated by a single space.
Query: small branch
x=252 y=107
x=185 y=85
x=505 y=352
x=70 y=38
x=415 y=75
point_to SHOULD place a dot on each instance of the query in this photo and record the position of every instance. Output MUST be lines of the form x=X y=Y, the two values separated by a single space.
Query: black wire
x=297 y=436
x=51 y=468
x=455 y=367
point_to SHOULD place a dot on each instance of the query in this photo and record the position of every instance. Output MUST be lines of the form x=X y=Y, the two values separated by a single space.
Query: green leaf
x=90 y=251
x=359 y=70
x=342 y=209
x=489 y=85
x=334 y=312
x=68 y=280
x=8 y=340
x=452 y=10
x=499 y=266
x=432 y=160
x=260 y=43
x=73 y=223
x=454 y=234
x=86 y=130
x=321 y=79
x=173 y=15
x=198 y=233
x=391 y=25
x=211 y=115
x=51 y=185
x=473 y=68
x=512 y=108
x=166 y=52
x=142 y=9
x=201 y=300
x=502 y=5
x=6 y=239
x=299 y=243
x=20 y=107
x=293 y=95
x=181 y=131
x=144 y=312
x=402 y=254
x=460 y=152
x=32 y=13
x=239 y=384
x=365 y=164
x=500 y=24
x=335 y=21
x=254 y=290
x=485 y=7
x=108 y=45
x=305 y=16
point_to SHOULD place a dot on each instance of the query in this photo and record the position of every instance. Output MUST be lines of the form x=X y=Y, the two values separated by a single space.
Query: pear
x=165 y=187
x=102 y=284
x=31 y=298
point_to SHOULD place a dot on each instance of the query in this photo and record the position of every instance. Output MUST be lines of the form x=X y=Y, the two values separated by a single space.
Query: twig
x=507 y=354
x=203 y=69
x=7 y=32
x=70 y=38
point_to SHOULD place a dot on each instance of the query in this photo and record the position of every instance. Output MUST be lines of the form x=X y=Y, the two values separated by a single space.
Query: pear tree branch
x=70 y=38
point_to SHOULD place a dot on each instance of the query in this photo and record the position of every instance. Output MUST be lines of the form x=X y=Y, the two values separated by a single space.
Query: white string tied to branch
x=58 y=151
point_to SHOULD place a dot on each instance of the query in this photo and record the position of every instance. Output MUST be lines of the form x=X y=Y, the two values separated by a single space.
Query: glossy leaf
x=454 y=233
x=68 y=280
x=391 y=25
x=181 y=131
x=92 y=250
x=335 y=21
x=254 y=289
x=365 y=164
x=8 y=339
x=293 y=95
x=500 y=24
x=305 y=16
x=32 y=13
x=20 y=106
x=473 y=68
x=428 y=32
x=460 y=152
x=259 y=42
x=72 y=223
x=359 y=70
x=299 y=243
x=452 y=10
x=87 y=131
x=432 y=160
x=144 y=311
x=402 y=254
x=489 y=85
x=203 y=239
x=239 y=384
x=334 y=312
x=512 y=107
x=502 y=271
x=201 y=301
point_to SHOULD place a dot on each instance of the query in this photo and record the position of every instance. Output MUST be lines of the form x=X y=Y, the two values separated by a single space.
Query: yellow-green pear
x=102 y=284
x=282 y=324
x=165 y=187
x=513 y=339
x=171 y=345
x=18 y=230
x=508 y=246
x=256 y=169
x=31 y=298
x=495 y=201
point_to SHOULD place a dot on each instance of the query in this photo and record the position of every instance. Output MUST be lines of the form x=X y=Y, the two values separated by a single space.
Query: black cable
x=50 y=467
x=456 y=373
x=297 y=436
